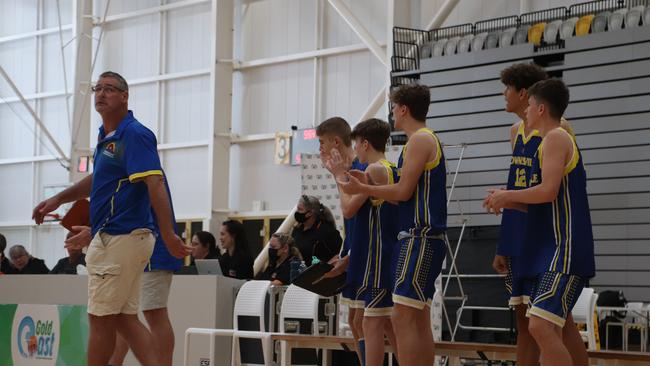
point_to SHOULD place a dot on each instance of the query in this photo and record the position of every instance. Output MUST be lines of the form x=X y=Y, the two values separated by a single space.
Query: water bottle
x=295 y=269
x=302 y=267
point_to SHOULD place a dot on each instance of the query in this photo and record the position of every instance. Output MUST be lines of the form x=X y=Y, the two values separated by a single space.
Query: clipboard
x=312 y=280
x=77 y=215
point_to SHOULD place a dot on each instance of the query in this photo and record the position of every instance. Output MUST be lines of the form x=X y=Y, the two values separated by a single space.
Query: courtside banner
x=43 y=335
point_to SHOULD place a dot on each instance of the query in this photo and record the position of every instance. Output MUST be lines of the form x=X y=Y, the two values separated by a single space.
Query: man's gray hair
x=17 y=249
x=122 y=84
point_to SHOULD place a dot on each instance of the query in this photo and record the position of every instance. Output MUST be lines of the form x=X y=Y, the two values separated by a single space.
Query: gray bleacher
x=608 y=74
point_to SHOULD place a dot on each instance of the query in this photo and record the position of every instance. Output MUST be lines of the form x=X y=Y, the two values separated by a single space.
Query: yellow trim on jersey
x=391 y=180
x=521 y=131
x=407 y=301
x=375 y=312
x=575 y=156
x=434 y=163
x=137 y=176
x=519 y=300
x=547 y=315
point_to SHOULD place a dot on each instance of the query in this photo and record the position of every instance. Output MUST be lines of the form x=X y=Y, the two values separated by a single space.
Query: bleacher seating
x=540 y=28
x=478 y=41
x=535 y=33
x=492 y=40
x=583 y=26
x=521 y=35
x=616 y=19
x=567 y=29
x=599 y=24
x=551 y=31
x=465 y=43
x=451 y=45
x=506 y=37
x=633 y=17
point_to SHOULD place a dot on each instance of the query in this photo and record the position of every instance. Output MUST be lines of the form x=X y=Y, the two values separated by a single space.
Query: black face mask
x=273 y=254
x=300 y=216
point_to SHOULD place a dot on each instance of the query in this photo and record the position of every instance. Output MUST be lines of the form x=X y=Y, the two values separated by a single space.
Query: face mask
x=300 y=216
x=273 y=254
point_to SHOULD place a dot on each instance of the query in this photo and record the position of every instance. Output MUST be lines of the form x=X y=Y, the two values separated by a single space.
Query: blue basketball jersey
x=348 y=224
x=357 y=239
x=425 y=213
x=513 y=222
x=559 y=236
x=383 y=227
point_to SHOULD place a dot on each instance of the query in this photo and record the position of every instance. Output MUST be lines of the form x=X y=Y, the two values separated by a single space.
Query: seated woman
x=236 y=261
x=281 y=252
x=316 y=234
x=24 y=263
x=204 y=246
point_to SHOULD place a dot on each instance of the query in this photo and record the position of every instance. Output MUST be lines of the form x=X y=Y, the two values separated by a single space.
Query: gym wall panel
x=188 y=39
x=257 y=177
x=276 y=28
x=51 y=13
x=186 y=175
x=18 y=16
x=16 y=136
x=19 y=61
x=275 y=97
x=143 y=103
x=52 y=62
x=16 y=235
x=129 y=47
x=348 y=86
x=48 y=244
x=53 y=115
x=15 y=192
x=187 y=109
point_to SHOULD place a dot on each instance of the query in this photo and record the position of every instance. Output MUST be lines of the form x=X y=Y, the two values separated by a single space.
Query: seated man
x=24 y=263
x=68 y=265
x=281 y=252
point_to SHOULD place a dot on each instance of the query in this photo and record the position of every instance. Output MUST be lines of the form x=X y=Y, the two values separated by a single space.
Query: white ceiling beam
x=242 y=65
x=150 y=11
x=442 y=14
x=360 y=30
x=31 y=111
x=40 y=32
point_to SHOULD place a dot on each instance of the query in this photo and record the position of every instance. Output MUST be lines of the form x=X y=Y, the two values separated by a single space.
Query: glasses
x=108 y=89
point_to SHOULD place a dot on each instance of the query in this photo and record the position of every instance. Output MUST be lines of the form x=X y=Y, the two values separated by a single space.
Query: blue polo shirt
x=161 y=259
x=119 y=199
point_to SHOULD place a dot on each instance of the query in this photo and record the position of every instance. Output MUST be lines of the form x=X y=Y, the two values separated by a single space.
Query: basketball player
x=524 y=141
x=559 y=249
x=370 y=139
x=422 y=198
x=334 y=140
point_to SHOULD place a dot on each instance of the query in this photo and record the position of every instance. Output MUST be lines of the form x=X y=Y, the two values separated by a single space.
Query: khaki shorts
x=115 y=265
x=155 y=289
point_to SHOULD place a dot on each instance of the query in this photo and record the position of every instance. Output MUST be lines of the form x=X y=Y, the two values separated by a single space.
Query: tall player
x=422 y=196
x=335 y=143
x=524 y=141
x=559 y=248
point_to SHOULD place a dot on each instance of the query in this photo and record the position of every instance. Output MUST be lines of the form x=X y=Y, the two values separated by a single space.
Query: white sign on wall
x=35 y=335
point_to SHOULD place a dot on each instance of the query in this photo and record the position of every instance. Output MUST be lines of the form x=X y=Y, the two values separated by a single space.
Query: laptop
x=208 y=267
